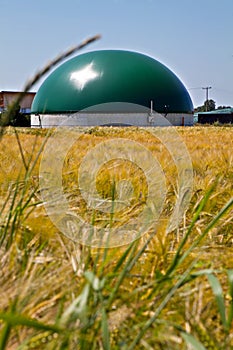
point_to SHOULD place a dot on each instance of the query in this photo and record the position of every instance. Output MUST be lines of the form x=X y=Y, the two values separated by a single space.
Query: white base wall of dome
x=110 y=119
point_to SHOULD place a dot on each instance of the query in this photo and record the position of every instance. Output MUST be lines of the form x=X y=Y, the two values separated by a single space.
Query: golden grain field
x=96 y=298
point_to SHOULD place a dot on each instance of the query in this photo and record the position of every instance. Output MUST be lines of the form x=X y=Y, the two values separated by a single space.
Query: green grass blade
x=32 y=164
x=5 y=203
x=96 y=283
x=192 y=342
x=123 y=257
x=5 y=336
x=230 y=279
x=21 y=150
x=221 y=213
x=14 y=319
x=162 y=305
x=120 y=280
x=77 y=309
x=230 y=311
x=177 y=258
x=12 y=214
x=133 y=261
x=219 y=297
x=105 y=331
x=129 y=265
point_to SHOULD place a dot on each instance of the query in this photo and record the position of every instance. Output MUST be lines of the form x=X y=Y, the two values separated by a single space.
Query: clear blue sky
x=194 y=38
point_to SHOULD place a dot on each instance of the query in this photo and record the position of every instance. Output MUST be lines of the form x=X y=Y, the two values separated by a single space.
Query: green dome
x=109 y=76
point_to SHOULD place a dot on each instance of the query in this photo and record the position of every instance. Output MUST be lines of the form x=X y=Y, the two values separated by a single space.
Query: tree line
x=209 y=105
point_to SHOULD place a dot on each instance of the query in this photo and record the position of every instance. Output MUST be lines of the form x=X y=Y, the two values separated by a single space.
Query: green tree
x=223 y=107
x=209 y=105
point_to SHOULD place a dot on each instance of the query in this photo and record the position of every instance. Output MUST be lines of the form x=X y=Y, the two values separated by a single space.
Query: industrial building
x=222 y=116
x=8 y=97
x=112 y=87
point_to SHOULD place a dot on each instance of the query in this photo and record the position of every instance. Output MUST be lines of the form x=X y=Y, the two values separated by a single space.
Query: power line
x=195 y=88
x=207 y=88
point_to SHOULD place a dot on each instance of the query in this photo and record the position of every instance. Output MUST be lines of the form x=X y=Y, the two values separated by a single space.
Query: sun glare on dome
x=83 y=76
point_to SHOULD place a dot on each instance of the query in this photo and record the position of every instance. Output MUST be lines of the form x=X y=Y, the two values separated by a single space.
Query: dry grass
x=43 y=273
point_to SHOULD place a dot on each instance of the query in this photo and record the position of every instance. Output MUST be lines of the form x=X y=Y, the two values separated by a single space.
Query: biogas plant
x=112 y=88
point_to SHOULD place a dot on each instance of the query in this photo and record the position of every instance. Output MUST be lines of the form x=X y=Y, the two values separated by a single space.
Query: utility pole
x=207 y=88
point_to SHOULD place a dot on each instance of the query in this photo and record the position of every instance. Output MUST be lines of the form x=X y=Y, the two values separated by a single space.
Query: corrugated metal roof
x=221 y=111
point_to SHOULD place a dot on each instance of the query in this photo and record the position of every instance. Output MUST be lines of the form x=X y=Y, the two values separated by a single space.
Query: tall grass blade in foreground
x=230 y=312
x=218 y=292
x=179 y=259
x=44 y=71
x=21 y=200
x=226 y=317
x=192 y=342
x=215 y=285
